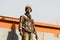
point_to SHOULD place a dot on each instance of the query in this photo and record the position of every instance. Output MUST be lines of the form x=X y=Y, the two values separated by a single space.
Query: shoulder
x=23 y=16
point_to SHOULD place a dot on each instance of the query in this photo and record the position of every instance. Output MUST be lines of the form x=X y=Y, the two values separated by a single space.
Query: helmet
x=28 y=6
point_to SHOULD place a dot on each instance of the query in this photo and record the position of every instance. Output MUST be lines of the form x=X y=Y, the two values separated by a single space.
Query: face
x=28 y=10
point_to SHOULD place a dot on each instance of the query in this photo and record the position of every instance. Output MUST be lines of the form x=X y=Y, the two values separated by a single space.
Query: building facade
x=9 y=30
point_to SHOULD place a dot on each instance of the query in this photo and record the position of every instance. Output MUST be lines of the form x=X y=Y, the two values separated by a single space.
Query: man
x=26 y=25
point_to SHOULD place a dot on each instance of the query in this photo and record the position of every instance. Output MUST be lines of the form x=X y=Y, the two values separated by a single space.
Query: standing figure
x=26 y=25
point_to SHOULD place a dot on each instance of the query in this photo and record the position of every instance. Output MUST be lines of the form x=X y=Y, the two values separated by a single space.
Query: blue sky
x=47 y=11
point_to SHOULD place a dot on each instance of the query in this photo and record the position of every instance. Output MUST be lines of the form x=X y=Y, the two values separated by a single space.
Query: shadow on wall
x=12 y=34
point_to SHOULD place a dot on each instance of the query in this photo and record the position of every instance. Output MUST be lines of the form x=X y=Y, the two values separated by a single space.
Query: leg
x=31 y=36
x=25 y=36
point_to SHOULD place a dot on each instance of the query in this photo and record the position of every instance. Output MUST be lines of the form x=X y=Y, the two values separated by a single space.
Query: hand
x=21 y=33
x=19 y=30
x=36 y=35
x=35 y=32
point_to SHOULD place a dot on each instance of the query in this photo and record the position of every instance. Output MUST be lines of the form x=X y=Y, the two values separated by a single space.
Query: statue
x=26 y=25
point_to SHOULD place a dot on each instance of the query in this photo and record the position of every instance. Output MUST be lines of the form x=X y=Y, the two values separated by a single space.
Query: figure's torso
x=28 y=24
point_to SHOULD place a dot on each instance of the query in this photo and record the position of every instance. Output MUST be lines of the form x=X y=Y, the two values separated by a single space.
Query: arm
x=35 y=34
x=34 y=27
x=35 y=31
x=20 y=25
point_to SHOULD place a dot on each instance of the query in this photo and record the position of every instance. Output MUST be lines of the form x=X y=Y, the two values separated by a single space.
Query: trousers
x=28 y=36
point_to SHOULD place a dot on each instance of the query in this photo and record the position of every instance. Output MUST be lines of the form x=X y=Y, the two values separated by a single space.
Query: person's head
x=28 y=9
